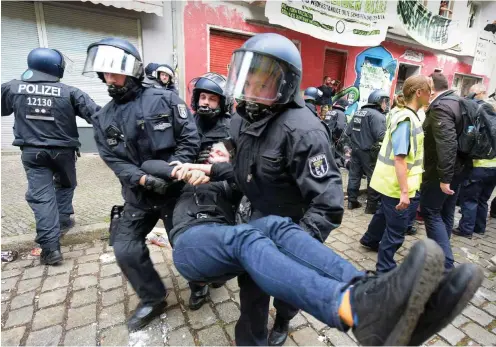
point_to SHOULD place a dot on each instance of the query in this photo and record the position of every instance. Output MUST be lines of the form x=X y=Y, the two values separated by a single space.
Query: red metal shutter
x=222 y=45
x=335 y=64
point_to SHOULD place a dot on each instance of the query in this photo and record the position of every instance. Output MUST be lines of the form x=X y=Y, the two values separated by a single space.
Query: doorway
x=462 y=83
x=405 y=70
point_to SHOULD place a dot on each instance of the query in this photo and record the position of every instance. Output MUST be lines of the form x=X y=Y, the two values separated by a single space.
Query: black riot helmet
x=44 y=65
x=376 y=98
x=150 y=70
x=213 y=83
x=341 y=104
x=265 y=76
x=313 y=94
x=113 y=55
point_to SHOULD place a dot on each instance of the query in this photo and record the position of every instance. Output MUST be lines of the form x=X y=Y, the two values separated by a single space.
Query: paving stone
x=81 y=316
x=339 y=338
x=213 y=336
x=340 y=246
x=85 y=336
x=109 y=270
x=491 y=308
x=175 y=318
x=219 y=294
x=343 y=238
x=94 y=250
x=489 y=295
x=49 y=316
x=19 y=317
x=115 y=336
x=111 y=315
x=202 y=317
x=6 y=296
x=181 y=337
x=55 y=282
x=88 y=258
x=81 y=246
x=11 y=273
x=88 y=268
x=460 y=320
x=182 y=283
x=236 y=298
x=46 y=337
x=230 y=329
x=73 y=255
x=4 y=308
x=162 y=270
x=157 y=257
x=289 y=342
x=66 y=266
x=12 y=337
x=84 y=297
x=451 y=334
x=480 y=335
x=112 y=296
x=174 y=271
x=307 y=337
x=133 y=303
x=111 y=282
x=168 y=284
x=9 y=283
x=317 y=325
x=232 y=285
x=297 y=321
x=477 y=315
x=28 y=285
x=228 y=312
x=153 y=334
x=33 y=272
x=84 y=282
x=107 y=258
x=52 y=298
x=354 y=255
x=18 y=264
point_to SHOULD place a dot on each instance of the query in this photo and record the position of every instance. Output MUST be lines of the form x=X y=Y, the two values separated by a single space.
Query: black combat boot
x=279 y=332
x=386 y=307
x=50 y=257
x=144 y=314
x=370 y=246
x=66 y=223
x=448 y=301
x=353 y=204
x=198 y=298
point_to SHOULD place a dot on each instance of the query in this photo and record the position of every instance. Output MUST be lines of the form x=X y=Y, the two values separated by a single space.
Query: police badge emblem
x=318 y=165
x=183 y=113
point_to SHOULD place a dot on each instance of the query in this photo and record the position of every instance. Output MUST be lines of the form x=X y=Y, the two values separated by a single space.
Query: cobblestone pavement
x=96 y=183
x=86 y=300
x=98 y=190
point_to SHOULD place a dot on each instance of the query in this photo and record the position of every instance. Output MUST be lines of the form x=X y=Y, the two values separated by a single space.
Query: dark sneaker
x=386 y=307
x=457 y=232
x=448 y=301
x=216 y=285
x=144 y=314
x=198 y=298
x=353 y=204
x=279 y=332
x=370 y=246
x=50 y=257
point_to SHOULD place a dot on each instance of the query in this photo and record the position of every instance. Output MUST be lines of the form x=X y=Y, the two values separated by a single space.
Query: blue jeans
x=388 y=226
x=438 y=211
x=283 y=260
x=477 y=190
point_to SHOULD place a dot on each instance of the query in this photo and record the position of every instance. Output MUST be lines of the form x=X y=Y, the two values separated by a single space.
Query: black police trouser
x=493 y=206
x=362 y=162
x=51 y=175
x=132 y=254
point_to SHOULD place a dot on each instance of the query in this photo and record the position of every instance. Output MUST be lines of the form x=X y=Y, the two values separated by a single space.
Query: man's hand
x=204 y=155
x=155 y=184
x=196 y=177
x=180 y=170
x=404 y=202
x=445 y=187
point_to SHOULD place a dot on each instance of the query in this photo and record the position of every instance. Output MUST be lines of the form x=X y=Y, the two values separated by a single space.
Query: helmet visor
x=218 y=82
x=255 y=77
x=111 y=60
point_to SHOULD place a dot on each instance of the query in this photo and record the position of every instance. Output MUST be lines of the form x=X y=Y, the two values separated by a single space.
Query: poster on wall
x=427 y=27
x=372 y=78
x=485 y=51
x=359 y=23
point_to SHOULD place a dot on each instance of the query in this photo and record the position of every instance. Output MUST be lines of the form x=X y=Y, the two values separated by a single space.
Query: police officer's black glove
x=155 y=184
x=204 y=154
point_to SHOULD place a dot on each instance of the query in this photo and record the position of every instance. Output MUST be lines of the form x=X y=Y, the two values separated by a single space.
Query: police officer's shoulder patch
x=183 y=113
x=318 y=165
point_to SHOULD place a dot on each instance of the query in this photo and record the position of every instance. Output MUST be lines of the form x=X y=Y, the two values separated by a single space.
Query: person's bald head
x=479 y=90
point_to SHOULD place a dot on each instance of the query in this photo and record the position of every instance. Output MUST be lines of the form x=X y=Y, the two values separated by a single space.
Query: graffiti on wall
x=375 y=69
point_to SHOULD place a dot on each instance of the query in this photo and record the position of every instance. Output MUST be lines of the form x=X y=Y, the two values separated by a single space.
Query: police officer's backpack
x=478 y=137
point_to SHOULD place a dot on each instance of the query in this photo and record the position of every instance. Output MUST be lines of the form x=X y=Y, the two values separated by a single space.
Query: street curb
x=78 y=234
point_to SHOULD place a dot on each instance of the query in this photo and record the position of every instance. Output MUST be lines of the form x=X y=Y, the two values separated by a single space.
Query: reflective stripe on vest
x=384 y=179
x=485 y=163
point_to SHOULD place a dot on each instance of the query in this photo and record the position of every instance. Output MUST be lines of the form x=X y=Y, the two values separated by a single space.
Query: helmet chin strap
x=253 y=112
x=207 y=112
x=124 y=93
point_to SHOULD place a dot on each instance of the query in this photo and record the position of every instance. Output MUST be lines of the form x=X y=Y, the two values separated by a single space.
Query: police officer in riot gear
x=366 y=130
x=139 y=124
x=311 y=96
x=163 y=75
x=336 y=119
x=282 y=164
x=213 y=117
x=45 y=129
